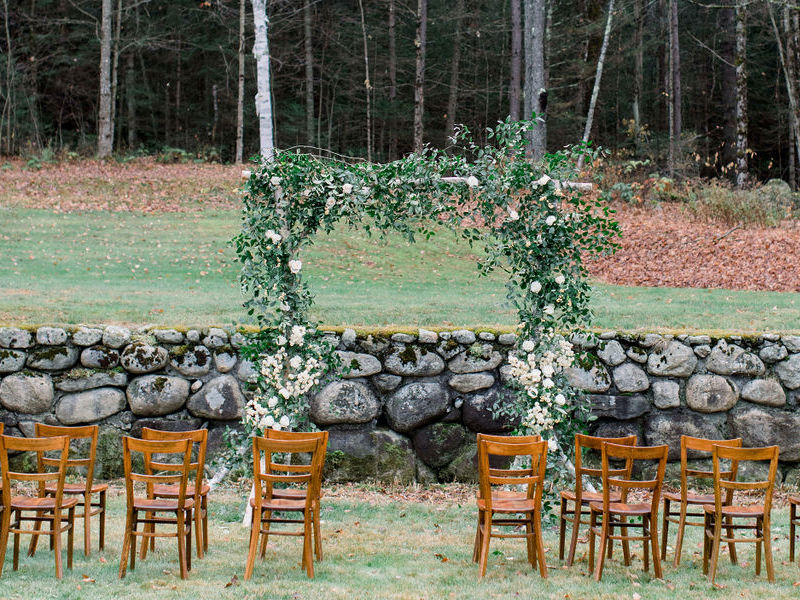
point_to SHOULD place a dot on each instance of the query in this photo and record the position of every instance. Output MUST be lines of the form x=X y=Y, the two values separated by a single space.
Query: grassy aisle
x=179 y=269
x=402 y=544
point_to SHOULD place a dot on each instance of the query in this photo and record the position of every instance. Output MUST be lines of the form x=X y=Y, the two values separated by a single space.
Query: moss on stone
x=408 y=356
x=159 y=383
x=4 y=354
x=50 y=352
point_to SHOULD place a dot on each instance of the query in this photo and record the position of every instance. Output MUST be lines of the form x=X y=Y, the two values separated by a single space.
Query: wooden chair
x=530 y=479
x=756 y=516
x=266 y=474
x=300 y=493
x=198 y=489
x=794 y=521
x=580 y=497
x=616 y=514
x=686 y=498
x=157 y=509
x=44 y=509
x=87 y=489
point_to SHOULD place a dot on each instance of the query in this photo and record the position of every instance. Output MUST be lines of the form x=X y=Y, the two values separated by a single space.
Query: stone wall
x=410 y=404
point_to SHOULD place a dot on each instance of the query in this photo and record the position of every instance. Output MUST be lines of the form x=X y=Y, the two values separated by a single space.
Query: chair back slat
x=176 y=472
x=626 y=483
x=531 y=477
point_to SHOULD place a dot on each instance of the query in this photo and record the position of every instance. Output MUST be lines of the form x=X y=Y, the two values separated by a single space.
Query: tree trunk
x=8 y=103
x=264 y=95
x=789 y=79
x=587 y=130
x=240 y=91
x=638 y=71
x=727 y=26
x=452 y=99
x=535 y=76
x=105 y=129
x=309 y=60
x=392 y=81
x=515 y=85
x=367 y=84
x=741 y=93
x=419 y=79
x=675 y=87
x=115 y=69
x=130 y=99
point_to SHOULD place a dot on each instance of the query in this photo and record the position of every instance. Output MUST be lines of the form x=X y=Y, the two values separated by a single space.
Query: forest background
x=691 y=87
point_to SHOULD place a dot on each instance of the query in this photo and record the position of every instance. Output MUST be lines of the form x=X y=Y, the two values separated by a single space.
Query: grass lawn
x=178 y=269
x=396 y=543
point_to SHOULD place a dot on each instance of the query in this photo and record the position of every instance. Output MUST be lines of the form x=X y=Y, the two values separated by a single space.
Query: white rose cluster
x=538 y=371
x=273 y=236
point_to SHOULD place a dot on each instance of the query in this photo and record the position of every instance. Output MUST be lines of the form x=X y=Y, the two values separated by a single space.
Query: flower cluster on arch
x=492 y=195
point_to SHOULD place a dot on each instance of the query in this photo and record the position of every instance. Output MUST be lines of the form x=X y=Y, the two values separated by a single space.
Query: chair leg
x=134 y=527
x=317 y=535
x=102 y=520
x=255 y=528
x=759 y=535
x=265 y=534
x=486 y=535
x=792 y=525
x=307 y=533
x=592 y=525
x=126 y=544
x=188 y=523
x=731 y=545
x=56 y=525
x=148 y=528
x=654 y=540
x=476 y=550
x=198 y=528
x=539 y=554
x=626 y=549
x=561 y=528
x=529 y=544
x=715 y=548
x=87 y=525
x=706 y=544
x=679 y=540
x=70 y=536
x=17 y=516
x=601 y=555
x=768 y=551
x=646 y=542
x=205 y=523
x=665 y=528
x=573 y=540
x=37 y=525
x=5 y=525
x=182 y=545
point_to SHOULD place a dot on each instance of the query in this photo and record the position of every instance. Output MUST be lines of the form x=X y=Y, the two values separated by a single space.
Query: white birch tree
x=535 y=76
x=105 y=130
x=264 y=93
x=740 y=166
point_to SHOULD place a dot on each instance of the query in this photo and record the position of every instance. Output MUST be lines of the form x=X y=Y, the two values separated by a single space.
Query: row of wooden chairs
x=627 y=508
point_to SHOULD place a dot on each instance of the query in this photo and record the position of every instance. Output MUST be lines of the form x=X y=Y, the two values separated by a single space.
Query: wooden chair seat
x=589 y=497
x=35 y=503
x=78 y=488
x=171 y=491
x=690 y=498
x=508 y=505
x=743 y=512
x=622 y=508
x=794 y=499
x=291 y=493
x=160 y=504
x=279 y=504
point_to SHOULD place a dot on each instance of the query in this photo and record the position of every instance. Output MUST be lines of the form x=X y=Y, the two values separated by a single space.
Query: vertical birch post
x=514 y=88
x=790 y=90
x=264 y=95
x=741 y=93
x=240 y=96
x=104 y=128
x=419 y=80
x=535 y=90
x=598 y=75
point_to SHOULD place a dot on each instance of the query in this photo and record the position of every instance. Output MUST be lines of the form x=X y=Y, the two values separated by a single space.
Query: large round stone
x=13 y=337
x=143 y=358
x=12 y=361
x=116 y=337
x=51 y=336
x=789 y=371
x=466 y=363
x=78 y=380
x=619 y=407
x=761 y=427
x=415 y=405
x=53 y=358
x=732 y=360
x=413 y=361
x=612 y=353
x=90 y=406
x=479 y=412
x=156 y=395
x=594 y=380
x=667 y=428
x=221 y=398
x=344 y=402
x=355 y=364
x=369 y=454
x=99 y=357
x=630 y=378
x=764 y=391
x=439 y=443
x=666 y=394
x=673 y=360
x=86 y=336
x=710 y=393
x=471 y=382
x=191 y=361
x=30 y=394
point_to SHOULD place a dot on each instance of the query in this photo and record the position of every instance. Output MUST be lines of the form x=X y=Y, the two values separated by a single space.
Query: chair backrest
x=38 y=445
x=591 y=442
x=267 y=472
x=530 y=476
x=722 y=481
x=199 y=440
x=625 y=481
x=280 y=434
x=693 y=444
x=511 y=439
x=157 y=472
x=87 y=432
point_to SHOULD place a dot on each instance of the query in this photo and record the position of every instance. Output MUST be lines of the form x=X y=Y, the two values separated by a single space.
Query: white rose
x=512 y=214
x=560 y=279
x=281 y=340
x=550 y=220
x=272 y=402
x=549 y=310
x=552 y=444
x=275 y=180
x=295 y=266
x=536 y=287
x=285 y=393
x=284 y=421
x=472 y=181
x=269 y=421
x=330 y=202
x=528 y=346
x=347 y=188
x=560 y=399
x=295 y=362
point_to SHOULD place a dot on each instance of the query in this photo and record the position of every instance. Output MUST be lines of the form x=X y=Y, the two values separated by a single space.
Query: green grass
x=384 y=547
x=178 y=269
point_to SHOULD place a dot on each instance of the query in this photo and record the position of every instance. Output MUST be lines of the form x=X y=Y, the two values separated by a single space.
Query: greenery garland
x=513 y=208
